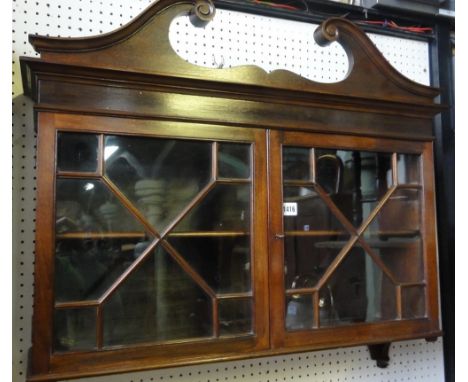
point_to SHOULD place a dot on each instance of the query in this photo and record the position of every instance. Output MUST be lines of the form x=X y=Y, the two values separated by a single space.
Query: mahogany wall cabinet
x=188 y=214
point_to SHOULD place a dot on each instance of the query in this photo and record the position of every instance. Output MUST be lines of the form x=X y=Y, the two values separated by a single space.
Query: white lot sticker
x=290 y=209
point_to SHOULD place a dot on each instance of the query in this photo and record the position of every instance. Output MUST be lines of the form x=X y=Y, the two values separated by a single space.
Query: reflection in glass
x=234 y=160
x=235 y=316
x=296 y=163
x=74 y=329
x=402 y=256
x=299 y=312
x=87 y=205
x=401 y=213
x=314 y=236
x=354 y=180
x=329 y=171
x=96 y=239
x=309 y=205
x=77 y=152
x=358 y=291
x=409 y=169
x=160 y=176
x=413 y=302
x=309 y=257
x=225 y=208
x=395 y=236
x=223 y=262
x=159 y=302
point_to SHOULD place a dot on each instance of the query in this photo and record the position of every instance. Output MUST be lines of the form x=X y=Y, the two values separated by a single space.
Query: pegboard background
x=231 y=39
x=234 y=39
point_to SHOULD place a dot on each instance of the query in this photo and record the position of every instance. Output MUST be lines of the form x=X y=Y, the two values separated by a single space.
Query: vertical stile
x=312 y=163
x=252 y=163
x=101 y=159
x=99 y=327
x=215 y=317
x=398 y=302
x=316 y=307
x=395 y=169
x=252 y=234
x=214 y=161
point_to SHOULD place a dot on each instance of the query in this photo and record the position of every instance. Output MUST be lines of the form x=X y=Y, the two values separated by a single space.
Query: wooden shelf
x=378 y=234
x=238 y=295
x=298 y=183
x=410 y=186
x=380 y=244
x=209 y=234
x=400 y=233
x=316 y=233
x=100 y=235
x=141 y=235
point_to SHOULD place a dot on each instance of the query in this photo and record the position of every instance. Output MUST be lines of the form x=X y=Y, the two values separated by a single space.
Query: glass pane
x=308 y=204
x=223 y=262
x=358 y=291
x=394 y=235
x=413 y=302
x=234 y=160
x=314 y=237
x=87 y=205
x=408 y=169
x=77 y=152
x=225 y=208
x=74 y=329
x=299 y=312
x=160 y=176
x=158 y=302
x=354 y=180
x=235 y=316
x=96 y=239
x=401 y=214
x=402 y=256
x=296 y=163
x=85 y=269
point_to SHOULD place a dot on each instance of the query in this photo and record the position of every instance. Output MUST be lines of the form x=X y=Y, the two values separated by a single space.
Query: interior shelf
x=100 y=235
x=373 y=243
x=377 y=234
x=141 y=235
x=316 y=233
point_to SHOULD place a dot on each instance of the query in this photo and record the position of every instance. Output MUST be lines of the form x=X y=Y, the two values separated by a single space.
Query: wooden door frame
x=363 y=332
x=48 y=365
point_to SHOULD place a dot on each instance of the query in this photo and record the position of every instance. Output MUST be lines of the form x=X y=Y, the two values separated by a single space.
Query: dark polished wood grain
x=283 y=338
x=149 y=38
x=44 y=259
x=130 y=82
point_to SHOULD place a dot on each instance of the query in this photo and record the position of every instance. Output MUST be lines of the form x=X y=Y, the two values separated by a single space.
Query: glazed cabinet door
x=158 y=243
x=352 y=233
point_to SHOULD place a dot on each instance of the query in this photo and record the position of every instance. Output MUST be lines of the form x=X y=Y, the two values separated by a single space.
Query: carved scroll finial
x=360 y=49
x=202 y=13
x=326 y=33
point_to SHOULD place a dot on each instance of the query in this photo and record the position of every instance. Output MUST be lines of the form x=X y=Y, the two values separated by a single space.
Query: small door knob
x=279 y=236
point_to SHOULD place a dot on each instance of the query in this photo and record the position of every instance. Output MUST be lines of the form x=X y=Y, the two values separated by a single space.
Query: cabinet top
x=140 y=53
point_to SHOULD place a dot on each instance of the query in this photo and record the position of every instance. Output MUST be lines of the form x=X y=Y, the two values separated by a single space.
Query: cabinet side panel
x=44 y=264
x=429 y=221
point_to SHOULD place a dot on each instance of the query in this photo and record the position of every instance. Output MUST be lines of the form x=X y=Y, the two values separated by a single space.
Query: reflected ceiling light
x=109 y=150
x=88 y=186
